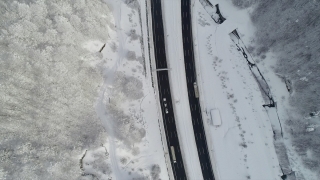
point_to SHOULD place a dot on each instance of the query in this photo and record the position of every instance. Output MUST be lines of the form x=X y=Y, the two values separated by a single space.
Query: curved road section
x=195 y=108
x=164 y=92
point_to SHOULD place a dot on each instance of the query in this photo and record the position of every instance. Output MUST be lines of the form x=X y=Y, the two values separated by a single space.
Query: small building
x=216 y=117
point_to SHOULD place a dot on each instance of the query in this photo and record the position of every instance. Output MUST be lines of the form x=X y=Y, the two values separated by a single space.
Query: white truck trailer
x=196 y=91
x=173 y=155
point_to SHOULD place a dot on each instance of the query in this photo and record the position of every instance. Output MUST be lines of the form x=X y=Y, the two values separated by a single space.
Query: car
x=167 y=111
x=165 y=104
x=164 y=99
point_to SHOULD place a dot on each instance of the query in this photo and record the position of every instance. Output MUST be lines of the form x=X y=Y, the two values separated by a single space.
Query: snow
x=171 y=11
x=127 y=93
x=282 y=96
x=63 y=101
x=215 y=117
x=221 y=49
x=243 y=145
x=48 y=88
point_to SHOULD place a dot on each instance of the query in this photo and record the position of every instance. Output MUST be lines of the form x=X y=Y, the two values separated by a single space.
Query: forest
x=291 y=30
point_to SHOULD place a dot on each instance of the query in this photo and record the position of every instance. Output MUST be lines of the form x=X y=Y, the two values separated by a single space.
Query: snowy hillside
x=68 y=111
x=286 y=46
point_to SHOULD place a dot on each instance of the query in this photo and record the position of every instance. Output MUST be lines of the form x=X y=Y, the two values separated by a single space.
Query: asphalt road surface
x=164 y=90
x=195 y=108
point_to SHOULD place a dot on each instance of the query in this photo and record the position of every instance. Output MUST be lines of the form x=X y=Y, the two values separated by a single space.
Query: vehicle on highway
x=165 y=105
x=173 y=154
x=196 y=91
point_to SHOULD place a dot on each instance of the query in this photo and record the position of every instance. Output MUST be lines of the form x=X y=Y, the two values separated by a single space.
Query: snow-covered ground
x=281 y=96
x=127 y=103
x=70 y=112
x=252 y=141
x=243 y=145
x=288 y=149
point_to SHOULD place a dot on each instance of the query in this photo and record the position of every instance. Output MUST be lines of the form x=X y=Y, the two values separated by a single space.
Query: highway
x=164 y=91
x=195 y=108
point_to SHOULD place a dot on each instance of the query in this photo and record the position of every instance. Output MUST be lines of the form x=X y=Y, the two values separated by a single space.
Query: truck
x=196 y=91
x=173 y=154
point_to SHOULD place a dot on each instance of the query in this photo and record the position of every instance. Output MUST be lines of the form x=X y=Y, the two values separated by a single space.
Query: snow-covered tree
x=48 y=86
x=291 y=30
